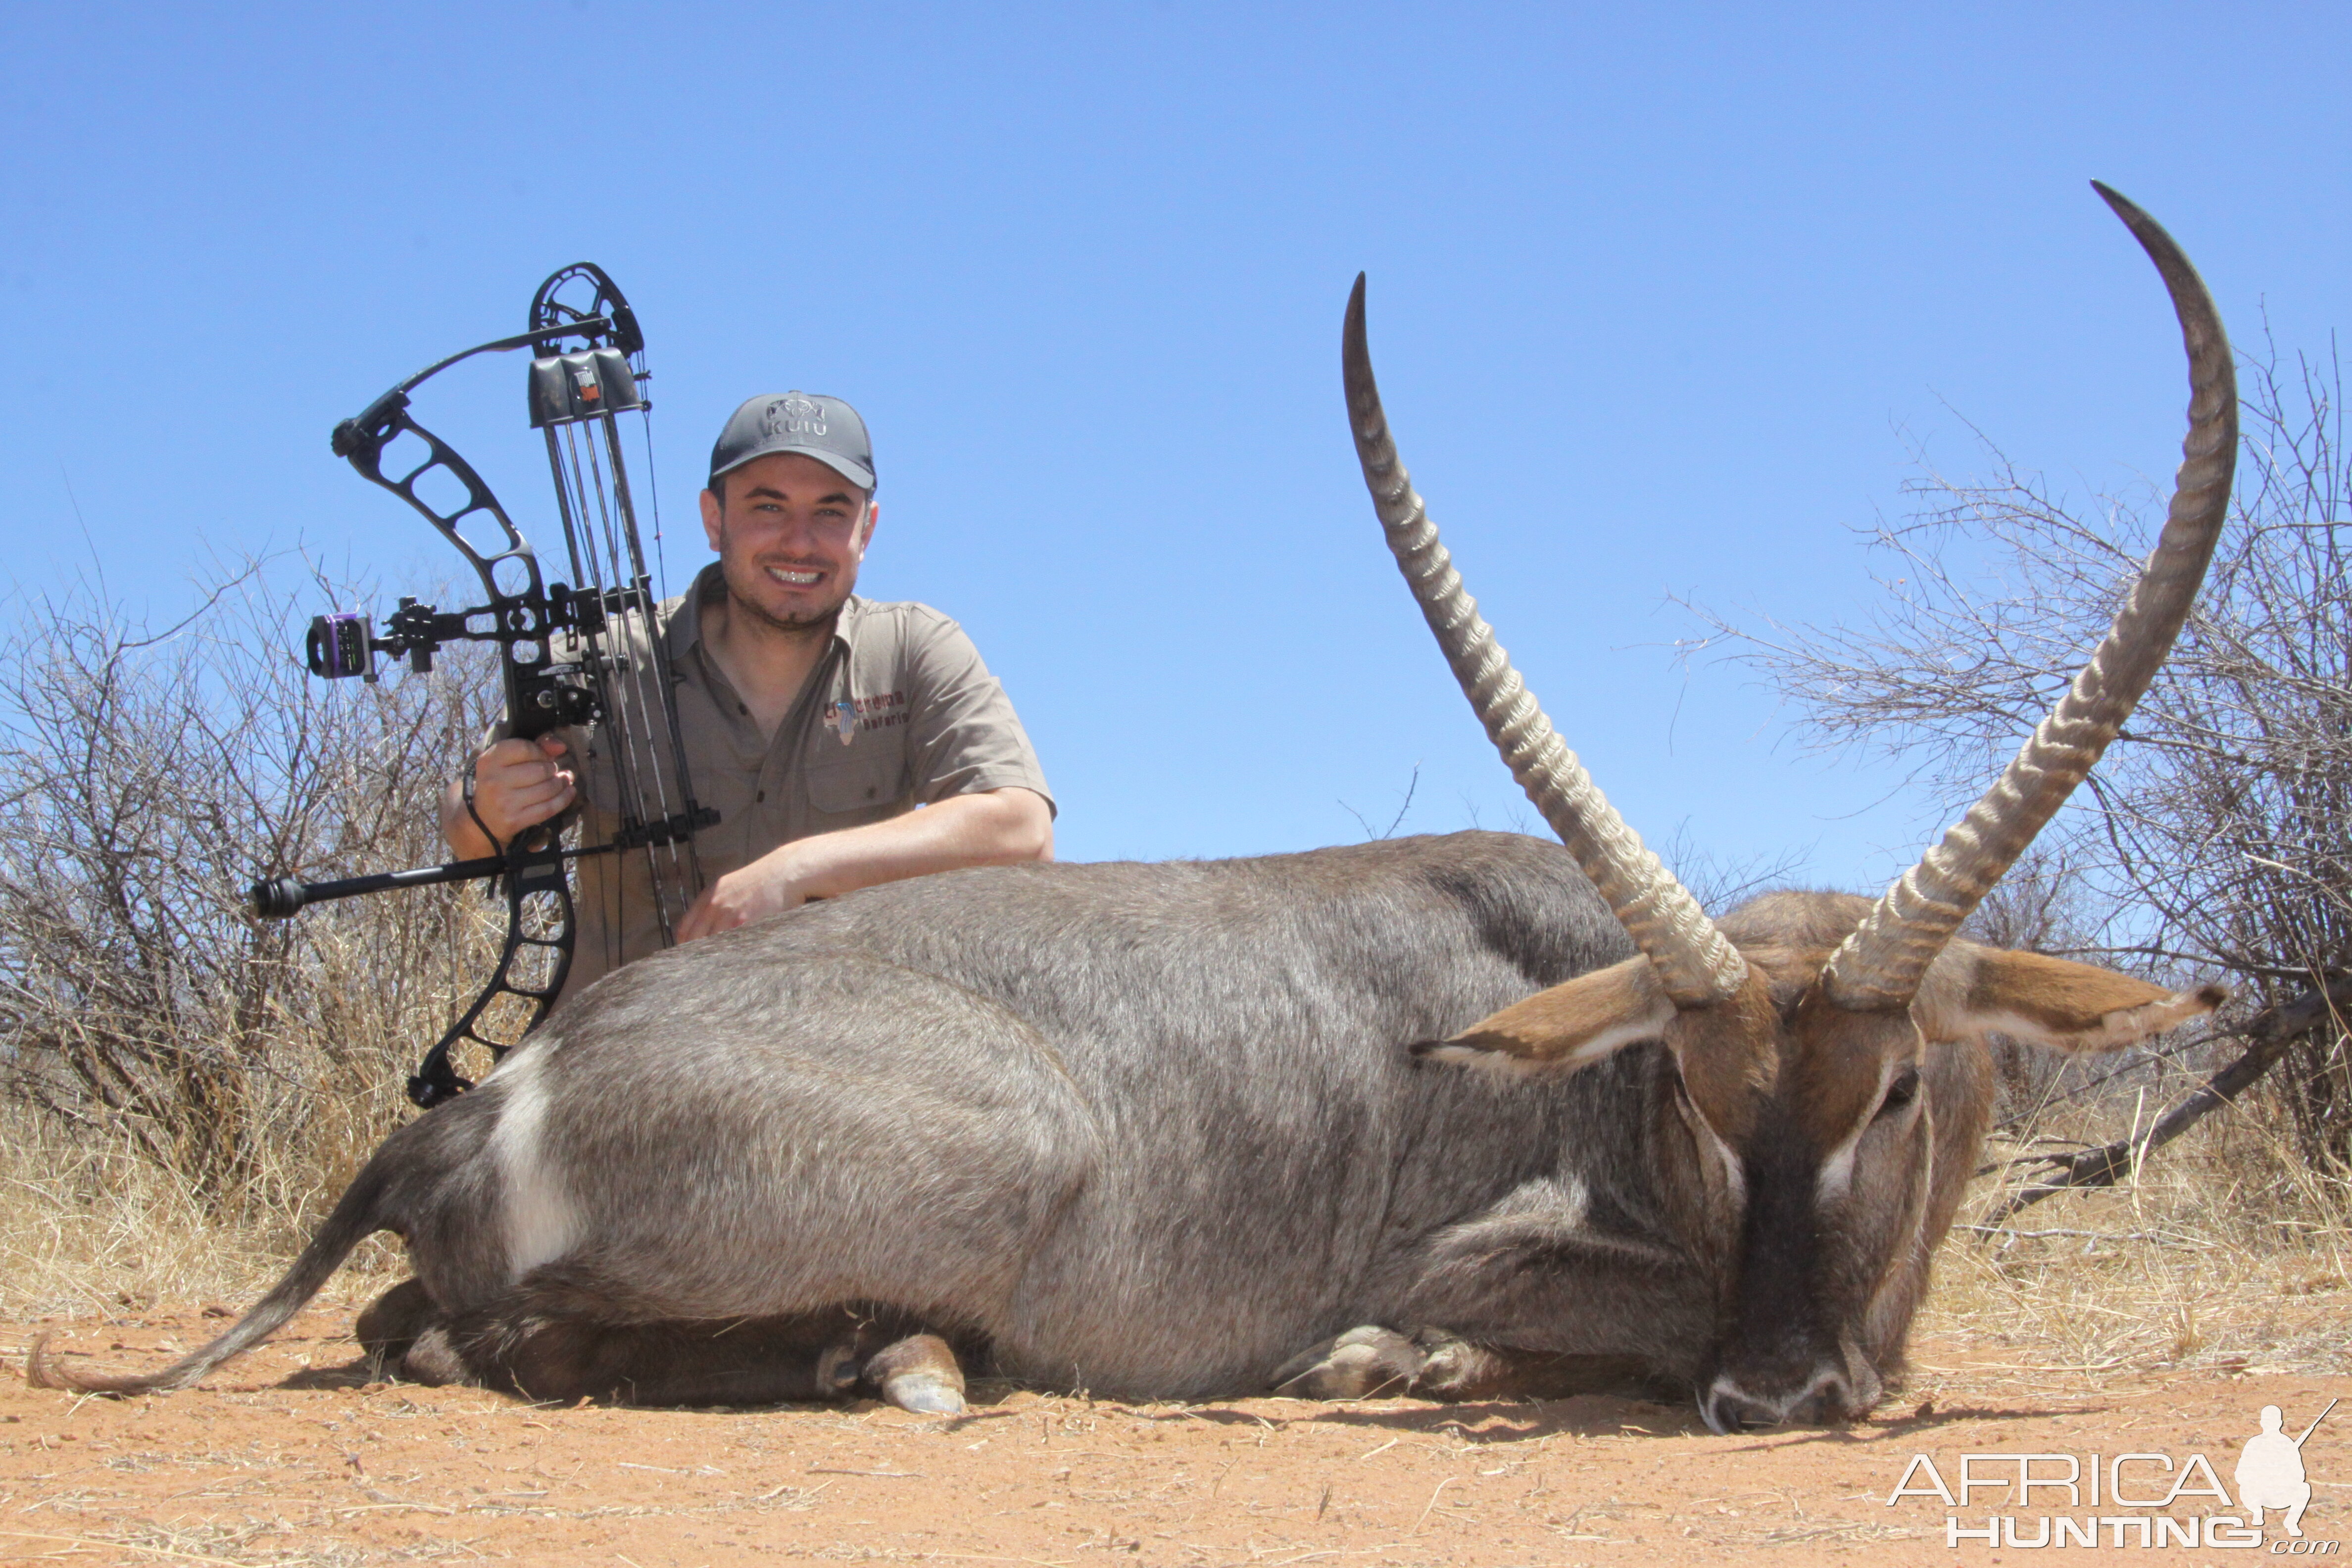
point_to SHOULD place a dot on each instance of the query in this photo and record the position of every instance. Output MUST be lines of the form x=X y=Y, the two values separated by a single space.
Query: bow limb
x=531 y=968
x=521 y=617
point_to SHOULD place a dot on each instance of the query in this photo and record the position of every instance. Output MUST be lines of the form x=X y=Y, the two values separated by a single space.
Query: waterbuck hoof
x=1456 y=1369
x=1361 y=1364
x=837 y=1371
x=919 y=1374
x=434 y=1361
x=923 y=1393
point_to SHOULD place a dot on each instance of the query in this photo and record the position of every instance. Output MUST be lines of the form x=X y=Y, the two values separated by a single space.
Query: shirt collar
x=684 y=632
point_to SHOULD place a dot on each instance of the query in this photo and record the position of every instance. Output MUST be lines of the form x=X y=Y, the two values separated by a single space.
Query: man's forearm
x=992 y=827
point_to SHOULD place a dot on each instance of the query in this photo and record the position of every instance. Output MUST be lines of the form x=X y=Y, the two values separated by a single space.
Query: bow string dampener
x=588 y=655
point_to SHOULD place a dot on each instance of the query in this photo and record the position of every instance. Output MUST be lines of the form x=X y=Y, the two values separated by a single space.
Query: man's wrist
x=465 y=784
x=801 y=867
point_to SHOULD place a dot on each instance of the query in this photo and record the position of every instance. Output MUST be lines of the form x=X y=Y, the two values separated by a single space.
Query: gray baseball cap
x=809 y=423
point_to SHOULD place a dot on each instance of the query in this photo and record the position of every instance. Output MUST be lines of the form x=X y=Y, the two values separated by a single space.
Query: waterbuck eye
x=1901 y=1092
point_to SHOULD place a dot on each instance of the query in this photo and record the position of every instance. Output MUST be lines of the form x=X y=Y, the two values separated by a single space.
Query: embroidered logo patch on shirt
x=844 y=719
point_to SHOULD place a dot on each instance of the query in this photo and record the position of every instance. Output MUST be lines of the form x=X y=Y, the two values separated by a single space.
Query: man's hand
x=517 y=786
x=774 y=882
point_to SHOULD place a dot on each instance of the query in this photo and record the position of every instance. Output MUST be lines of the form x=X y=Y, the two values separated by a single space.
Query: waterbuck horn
x=1695 y=965
x=1881 y=964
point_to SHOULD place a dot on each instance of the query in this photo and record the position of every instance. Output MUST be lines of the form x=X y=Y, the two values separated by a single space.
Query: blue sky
x=1663 y=298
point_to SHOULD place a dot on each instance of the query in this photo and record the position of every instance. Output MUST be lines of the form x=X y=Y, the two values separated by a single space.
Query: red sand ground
x=288 y=1456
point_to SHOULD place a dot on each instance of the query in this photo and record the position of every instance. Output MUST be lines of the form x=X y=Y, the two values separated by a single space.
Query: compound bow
x=587 y=654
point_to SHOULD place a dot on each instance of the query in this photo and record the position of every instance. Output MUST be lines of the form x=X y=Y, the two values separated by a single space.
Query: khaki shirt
x=899 y=712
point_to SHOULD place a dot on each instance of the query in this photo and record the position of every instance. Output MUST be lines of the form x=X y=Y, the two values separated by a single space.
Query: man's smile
x=795 y=577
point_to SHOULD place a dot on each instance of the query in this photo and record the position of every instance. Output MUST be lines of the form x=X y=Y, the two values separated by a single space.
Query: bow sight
x=590 y=654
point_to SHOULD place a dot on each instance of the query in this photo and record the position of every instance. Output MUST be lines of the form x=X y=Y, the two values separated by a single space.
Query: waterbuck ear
x=2052 y=1003
x=1573 y=1025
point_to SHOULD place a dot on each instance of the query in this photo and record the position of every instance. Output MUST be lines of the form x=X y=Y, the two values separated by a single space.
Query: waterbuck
x=1467 y=1115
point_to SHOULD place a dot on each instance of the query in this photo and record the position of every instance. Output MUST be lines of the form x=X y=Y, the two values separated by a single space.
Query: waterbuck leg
x=1431 y=1363
x=519 y=1345
x=759 y=1361
x=391 y=1323
x=919 y=1374
x=433 y=1359
x=1362 y=1363
x=1457 y=1368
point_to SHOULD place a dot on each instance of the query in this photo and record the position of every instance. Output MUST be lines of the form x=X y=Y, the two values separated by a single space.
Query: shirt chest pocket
x=866 y=775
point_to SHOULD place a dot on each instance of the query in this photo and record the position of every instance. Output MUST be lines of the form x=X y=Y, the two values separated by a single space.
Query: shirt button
x=761 y=795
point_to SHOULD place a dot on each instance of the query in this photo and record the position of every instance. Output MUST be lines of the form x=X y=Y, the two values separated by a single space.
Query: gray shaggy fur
x=1147 y=1130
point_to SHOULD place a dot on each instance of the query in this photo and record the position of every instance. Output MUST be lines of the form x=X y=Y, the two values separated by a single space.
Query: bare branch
x=2273 y=1030
x=2217 y=834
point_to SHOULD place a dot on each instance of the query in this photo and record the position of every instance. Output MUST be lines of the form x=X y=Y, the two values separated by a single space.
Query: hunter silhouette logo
x=2270 y=1472
x=2126 y=1499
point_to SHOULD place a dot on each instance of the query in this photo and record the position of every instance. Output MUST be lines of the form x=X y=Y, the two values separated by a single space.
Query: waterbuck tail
x=358 y=1216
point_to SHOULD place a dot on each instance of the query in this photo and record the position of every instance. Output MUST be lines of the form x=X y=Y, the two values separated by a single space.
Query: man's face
x=790 y=536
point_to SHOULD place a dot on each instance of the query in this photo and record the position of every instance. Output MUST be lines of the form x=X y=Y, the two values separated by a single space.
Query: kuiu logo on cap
x=825 y=429
x=793 y=415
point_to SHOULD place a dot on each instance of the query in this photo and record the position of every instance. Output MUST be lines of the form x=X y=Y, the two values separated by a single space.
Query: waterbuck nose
x=1824 y=1398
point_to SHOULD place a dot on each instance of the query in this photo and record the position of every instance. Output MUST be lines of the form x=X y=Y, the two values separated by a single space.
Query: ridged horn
x=1697 y=966
x=1881 y=964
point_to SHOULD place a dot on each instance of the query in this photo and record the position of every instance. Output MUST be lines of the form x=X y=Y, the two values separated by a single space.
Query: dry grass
x=184 y=1087
x=88 y=1229
x=2225 y=1252
x=93 y=1222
